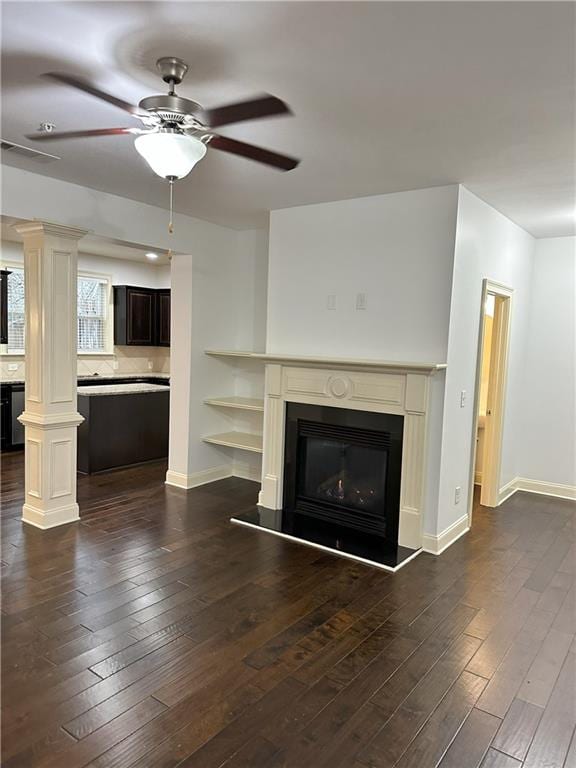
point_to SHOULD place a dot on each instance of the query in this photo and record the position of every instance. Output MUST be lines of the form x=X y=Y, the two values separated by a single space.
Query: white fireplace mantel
x=350 y=363
x=368 y=385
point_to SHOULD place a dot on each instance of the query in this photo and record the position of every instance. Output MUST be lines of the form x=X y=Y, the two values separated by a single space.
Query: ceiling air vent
x=33 y=154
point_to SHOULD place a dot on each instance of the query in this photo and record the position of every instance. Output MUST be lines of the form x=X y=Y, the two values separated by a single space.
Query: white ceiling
x=386 y=96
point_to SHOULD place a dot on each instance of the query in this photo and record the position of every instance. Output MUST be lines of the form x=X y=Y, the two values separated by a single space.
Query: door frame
x=490 y=488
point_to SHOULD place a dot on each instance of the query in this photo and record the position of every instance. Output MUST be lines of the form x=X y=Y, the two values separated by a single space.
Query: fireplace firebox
x=342 y=475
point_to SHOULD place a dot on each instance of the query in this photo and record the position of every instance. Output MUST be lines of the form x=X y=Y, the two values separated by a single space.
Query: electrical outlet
x=361 y=301
x=150 y=365
x=463 y=399
x=331 y=301
x=12 y=366
x=115 y=365
x=457 y=494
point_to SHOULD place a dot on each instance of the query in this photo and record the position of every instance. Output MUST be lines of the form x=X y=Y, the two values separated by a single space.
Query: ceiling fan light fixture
x=170 y=155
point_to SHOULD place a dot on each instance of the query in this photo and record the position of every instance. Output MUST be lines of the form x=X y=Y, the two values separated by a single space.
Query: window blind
x=16 y=312
x=91 y=315
x=92 y=307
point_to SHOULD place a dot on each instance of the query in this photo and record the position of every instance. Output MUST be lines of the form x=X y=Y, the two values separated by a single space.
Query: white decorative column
x=270 y=495
x=50 y=413
x=182 y=374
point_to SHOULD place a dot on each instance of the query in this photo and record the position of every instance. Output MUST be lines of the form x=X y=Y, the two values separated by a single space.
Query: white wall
x=396 y=248
x=28 y=195
x=488 y=245
x=547 y=434
x=253 y=251
x=220 y=303
x=226 y=303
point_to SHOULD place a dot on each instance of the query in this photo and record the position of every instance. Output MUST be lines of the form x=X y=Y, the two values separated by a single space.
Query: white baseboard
x=435 y=545
x=247 y=471
x=180 y=480
x=558 y=490
x=507 y=490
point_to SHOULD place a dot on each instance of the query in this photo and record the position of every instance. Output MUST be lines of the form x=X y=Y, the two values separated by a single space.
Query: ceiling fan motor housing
x=172 y=69
x=171 y=108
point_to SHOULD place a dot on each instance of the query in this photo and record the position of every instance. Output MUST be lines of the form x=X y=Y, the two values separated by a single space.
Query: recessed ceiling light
x=152 y=256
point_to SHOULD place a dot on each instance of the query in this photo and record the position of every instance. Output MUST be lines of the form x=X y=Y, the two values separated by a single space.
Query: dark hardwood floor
x=155 y=633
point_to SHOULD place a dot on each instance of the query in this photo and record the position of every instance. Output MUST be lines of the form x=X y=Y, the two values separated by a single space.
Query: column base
x=268 y=496
x=43 y=519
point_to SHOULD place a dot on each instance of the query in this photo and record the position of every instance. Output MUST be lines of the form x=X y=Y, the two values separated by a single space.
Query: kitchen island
x=124 y=423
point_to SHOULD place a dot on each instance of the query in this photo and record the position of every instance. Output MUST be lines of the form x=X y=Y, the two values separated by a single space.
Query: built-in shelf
x=243 y=440
x=241 y=403
x=231 y=353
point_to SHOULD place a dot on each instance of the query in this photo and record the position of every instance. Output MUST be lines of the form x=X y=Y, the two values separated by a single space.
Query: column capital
x=37 y=226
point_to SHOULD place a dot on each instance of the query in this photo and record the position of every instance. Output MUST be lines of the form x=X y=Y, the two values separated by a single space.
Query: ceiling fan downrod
x=171 y=180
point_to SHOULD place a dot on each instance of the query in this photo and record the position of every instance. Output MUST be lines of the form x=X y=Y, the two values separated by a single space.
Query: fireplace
x=344 y=461
x=342 y=471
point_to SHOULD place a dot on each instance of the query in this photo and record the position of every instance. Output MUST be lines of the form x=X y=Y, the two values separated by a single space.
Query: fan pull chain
x=170 y=223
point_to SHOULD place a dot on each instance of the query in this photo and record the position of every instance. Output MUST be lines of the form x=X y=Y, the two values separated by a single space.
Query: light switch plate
x=463 y=399
x=331 y=301
x=457 y=494
x=361 y=301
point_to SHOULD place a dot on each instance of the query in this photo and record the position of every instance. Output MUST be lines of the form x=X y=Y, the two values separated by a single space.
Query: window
x=16 y=311
x=92 y=313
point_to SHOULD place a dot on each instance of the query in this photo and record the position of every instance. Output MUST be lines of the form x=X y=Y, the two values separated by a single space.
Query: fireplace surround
x=370 y=387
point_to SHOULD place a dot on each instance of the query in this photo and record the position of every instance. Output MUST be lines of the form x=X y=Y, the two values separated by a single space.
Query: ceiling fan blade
x=260 y=155
x=261 y=106
x=84 y=85
x=79 y=134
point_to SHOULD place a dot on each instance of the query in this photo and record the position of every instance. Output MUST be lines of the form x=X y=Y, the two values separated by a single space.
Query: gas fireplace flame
x=339 y=490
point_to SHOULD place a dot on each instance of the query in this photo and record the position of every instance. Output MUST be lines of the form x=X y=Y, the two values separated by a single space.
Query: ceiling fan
x=177 y=131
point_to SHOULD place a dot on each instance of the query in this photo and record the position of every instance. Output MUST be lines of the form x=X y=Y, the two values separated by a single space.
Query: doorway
x=489 y=402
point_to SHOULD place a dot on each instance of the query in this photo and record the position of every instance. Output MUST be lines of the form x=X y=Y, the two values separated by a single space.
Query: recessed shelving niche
x=244 y=410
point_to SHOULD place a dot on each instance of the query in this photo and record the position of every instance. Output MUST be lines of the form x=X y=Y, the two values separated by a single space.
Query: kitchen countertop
x=121 y=389
x=148 y=375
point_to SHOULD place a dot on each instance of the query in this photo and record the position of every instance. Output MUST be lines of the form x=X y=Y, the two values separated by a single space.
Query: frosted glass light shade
x=170 y=154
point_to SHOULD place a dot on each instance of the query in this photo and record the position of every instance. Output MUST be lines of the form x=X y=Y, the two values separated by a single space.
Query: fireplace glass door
x=343 y=473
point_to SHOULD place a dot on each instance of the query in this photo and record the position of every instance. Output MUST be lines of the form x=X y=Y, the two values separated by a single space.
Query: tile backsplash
x=143 y=360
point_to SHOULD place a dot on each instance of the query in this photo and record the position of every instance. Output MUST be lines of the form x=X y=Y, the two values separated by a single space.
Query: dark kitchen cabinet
x=163 y=324
x=141 y=316
x=5 y=440
x=11 y=405
x=4 y=306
